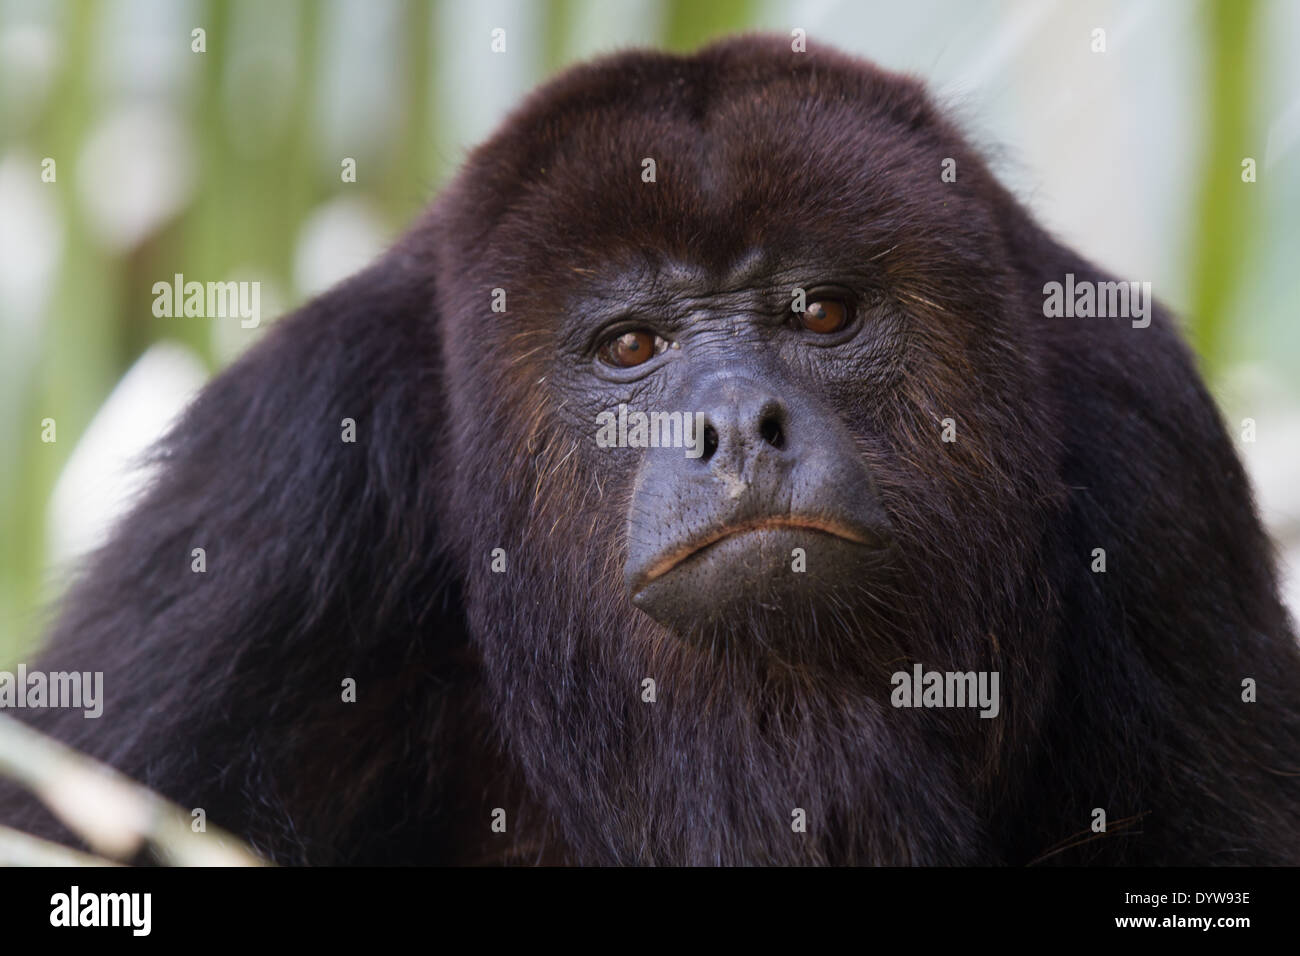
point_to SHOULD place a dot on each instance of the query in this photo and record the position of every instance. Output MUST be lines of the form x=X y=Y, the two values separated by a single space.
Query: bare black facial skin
x=778 y=474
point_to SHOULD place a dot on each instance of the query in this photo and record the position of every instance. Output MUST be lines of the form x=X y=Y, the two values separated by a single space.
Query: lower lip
x=842 y=534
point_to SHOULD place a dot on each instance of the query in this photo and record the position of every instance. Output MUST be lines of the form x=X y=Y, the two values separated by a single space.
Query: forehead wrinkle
x=677 y=276
x=683 y=279
x=749 y=269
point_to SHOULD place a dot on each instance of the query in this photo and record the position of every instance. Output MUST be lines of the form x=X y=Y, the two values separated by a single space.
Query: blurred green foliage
x=1226 y=204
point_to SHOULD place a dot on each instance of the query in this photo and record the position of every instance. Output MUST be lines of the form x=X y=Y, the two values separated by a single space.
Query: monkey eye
x=632 y=348
x=825 y=316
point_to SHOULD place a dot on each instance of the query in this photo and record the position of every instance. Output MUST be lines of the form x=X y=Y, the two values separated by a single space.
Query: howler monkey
x=928 y=573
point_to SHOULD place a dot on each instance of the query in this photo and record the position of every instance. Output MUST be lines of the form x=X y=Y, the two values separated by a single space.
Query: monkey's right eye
x=629 y=349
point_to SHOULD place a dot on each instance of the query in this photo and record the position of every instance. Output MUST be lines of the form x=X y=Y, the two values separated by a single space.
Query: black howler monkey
x=893 y=460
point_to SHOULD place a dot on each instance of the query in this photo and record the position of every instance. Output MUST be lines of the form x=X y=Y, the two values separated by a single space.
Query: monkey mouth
x=702 y=542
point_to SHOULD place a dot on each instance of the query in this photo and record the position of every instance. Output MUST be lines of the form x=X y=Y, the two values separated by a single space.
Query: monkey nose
x=743 y=421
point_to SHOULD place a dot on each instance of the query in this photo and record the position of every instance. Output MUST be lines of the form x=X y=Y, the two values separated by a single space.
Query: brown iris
x=825 y=315
x=630 y=349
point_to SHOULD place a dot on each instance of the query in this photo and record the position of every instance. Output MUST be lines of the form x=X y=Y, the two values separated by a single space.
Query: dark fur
x=521 y=690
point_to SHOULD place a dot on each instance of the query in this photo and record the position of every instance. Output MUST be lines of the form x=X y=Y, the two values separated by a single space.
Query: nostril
x=710 y=441
x=771 y=430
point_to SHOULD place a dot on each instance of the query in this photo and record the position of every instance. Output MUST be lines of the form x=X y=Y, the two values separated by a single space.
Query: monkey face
x=771 y=375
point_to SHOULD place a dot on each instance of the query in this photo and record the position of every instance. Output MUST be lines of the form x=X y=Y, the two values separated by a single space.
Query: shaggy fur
x=522 y=690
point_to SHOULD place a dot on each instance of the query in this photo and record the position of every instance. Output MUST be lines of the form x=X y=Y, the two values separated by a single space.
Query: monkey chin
x=775 y=571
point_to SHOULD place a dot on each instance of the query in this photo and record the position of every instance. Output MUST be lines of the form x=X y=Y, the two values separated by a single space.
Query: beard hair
x=753 y=720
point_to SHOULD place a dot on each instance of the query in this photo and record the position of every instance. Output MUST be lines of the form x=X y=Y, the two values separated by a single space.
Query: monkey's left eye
x=825 y=316
x=632 y=348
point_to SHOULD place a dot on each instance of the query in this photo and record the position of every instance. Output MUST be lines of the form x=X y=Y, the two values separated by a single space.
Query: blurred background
x=133 y=148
